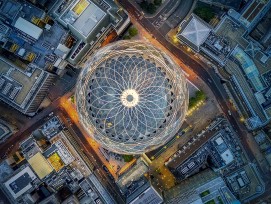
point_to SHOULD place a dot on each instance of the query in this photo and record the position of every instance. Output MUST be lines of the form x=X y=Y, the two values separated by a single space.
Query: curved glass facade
x=131 y=97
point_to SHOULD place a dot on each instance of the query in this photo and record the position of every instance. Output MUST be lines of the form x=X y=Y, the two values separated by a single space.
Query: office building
x=90 y=22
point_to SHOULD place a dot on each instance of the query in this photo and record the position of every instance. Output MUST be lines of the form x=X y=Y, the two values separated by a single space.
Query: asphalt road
x=210 y=77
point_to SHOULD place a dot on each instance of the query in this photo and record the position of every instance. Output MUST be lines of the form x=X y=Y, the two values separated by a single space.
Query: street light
x=175 y=39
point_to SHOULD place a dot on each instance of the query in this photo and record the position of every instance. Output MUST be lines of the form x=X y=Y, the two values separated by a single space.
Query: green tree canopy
x=126 y=37
x=128 y=158
x=157 y=2
x=133 y=31
x=204 y=12
x=199 y=96
x=148 y=7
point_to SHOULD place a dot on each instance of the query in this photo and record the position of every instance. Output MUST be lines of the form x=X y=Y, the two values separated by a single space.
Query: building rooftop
x=105 y=195
x=90 y=21
x=51 y=128
x=252 y=10
x=86 y=19
x=235 y=35
x=5 y=130
x=249 y=68
x=215 y=142
x=63 y=152
x=235 y=4
x=10 y=8
x=5 y=170
x=18 y=86
x=40 y=165
x=56 y=161
x=32 y=35
x=145 y=194
x=133 y=174
x=20 y=183
x=28 y=28
x=201 y=188
x=194 y=32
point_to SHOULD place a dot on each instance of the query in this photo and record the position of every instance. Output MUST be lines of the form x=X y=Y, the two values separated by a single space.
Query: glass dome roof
x=129 y=97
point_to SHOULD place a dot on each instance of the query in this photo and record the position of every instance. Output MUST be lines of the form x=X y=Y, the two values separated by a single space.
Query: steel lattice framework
x=131 y=97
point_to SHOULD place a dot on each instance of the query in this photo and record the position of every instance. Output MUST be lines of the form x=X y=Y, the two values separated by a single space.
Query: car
x=105 y=169
x=111 y=177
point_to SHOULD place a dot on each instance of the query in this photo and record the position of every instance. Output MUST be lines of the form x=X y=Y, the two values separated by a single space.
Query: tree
x=126 y=37
x=133 y=31
x=157 y=2
x=127 y=158
x=200 y=96
x=144 y=5
x=148 y=7
x=72 y=99
x=151 y=8
x=204 y=12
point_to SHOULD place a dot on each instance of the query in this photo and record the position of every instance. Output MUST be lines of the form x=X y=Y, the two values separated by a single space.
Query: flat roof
x=186 y=153
x=133 y=174
x=28 y=28
x=10 y=8
x=63 y=152
x=56 y=161
x=40 y=165
x=227 y=156
x=20 y=183
x=219 y=140
x=253 y=10
x=227 y=28
x=89 y=19
x=248 y=67
x=147 y=195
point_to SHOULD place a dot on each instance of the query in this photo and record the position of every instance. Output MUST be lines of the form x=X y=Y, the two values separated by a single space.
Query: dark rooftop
x=20 y=183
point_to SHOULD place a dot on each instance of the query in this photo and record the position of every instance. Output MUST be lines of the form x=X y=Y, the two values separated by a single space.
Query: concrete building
x=90 y=22
x=240 y=44
x=95 y=191
x=205 y=187
x=40 y=165
x=25 y=89
x=34 y=42
x=216 y=146
x=29 y=37
x=20 y=183
x=234 y=4
x=146 y=194
x=246 y=183
x=193 y=32
x=6 y=130
x=133 y=174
